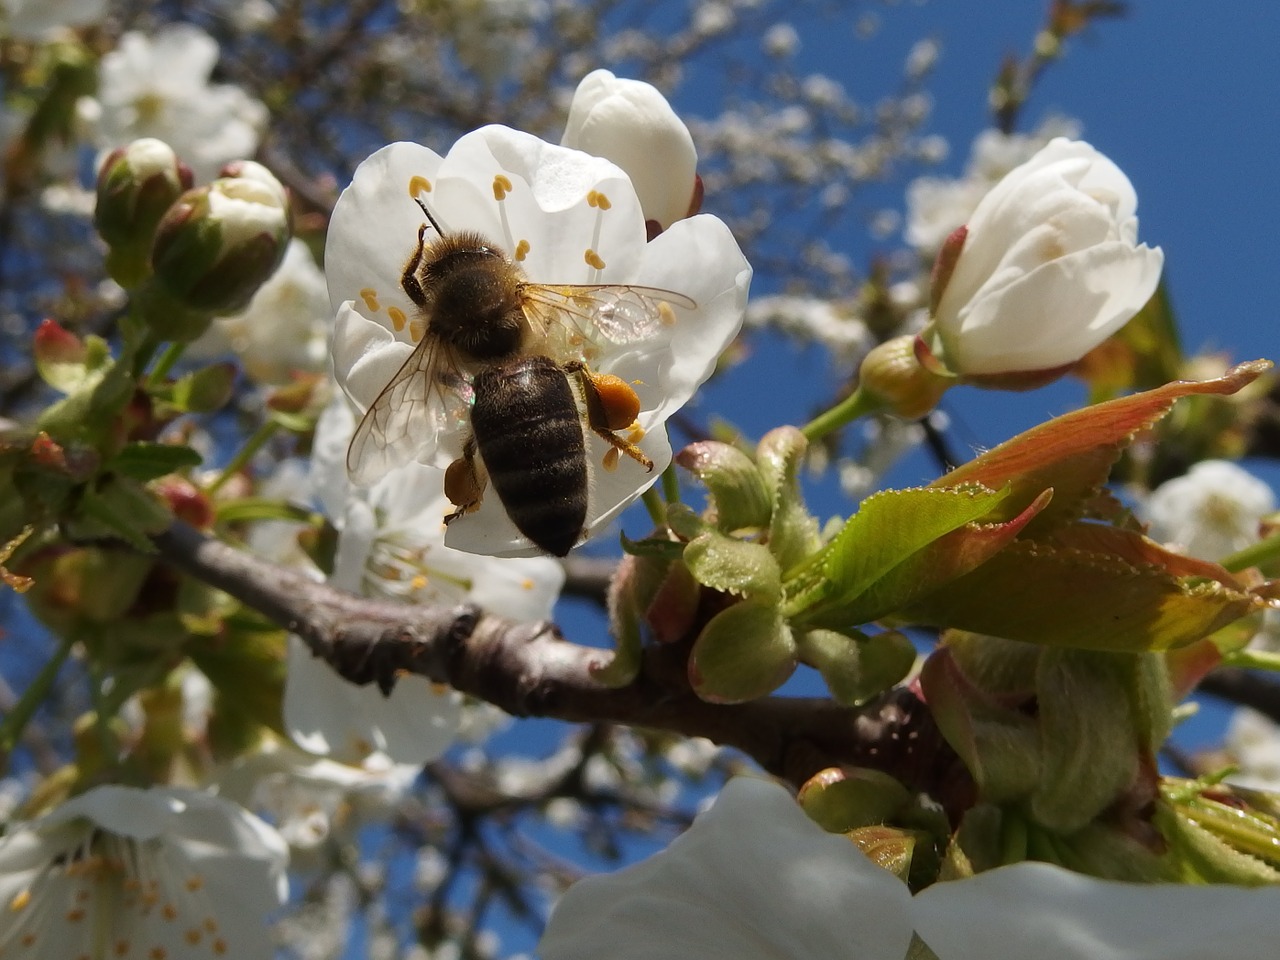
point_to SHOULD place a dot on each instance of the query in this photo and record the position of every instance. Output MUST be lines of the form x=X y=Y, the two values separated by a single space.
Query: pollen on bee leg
x=417 y=328
x=522 y=250
x=501 y=186
x=398 y=319
x=370 y=298
x=593 y=259
x=418 y=185
x=610 y=461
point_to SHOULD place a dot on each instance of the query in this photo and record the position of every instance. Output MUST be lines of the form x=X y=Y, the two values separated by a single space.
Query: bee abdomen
x=529 y=434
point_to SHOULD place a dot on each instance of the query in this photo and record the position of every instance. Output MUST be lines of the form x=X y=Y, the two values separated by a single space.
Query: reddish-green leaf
x=1074 y=453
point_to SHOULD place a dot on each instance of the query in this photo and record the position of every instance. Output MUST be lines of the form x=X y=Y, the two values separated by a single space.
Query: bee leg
x=464 y=482
x=611 y=405
x=409 y=278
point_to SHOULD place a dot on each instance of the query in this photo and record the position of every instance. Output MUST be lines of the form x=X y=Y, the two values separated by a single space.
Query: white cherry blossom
x=391 y=545
x=1050 y=267
x=284 y=329
x=631 y=123
x=755 y=879
x=566 y=218
x=1212 y=510
x=158 y=86
x=124 y=872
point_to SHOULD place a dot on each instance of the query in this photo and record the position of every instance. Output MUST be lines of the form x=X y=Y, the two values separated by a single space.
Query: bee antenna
x=420 y=202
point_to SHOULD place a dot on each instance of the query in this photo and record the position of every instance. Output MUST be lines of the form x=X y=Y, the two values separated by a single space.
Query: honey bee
x=506 y=358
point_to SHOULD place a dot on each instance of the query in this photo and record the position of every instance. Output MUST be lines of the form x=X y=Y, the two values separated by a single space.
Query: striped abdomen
x=530 y=437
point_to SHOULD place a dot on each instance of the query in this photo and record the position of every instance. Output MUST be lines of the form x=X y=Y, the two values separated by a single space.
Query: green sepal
x=793 y=531
x=733 y=566
x=843 y=800
x=997 y=741
x=660 y=547
x=737 y=493
x=856 y=667
x=744 y=652
x=684 y=522
x=1208 y=845
x=1088 y=735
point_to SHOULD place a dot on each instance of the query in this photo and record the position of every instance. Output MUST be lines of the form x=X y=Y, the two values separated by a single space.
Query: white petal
x=752 y=878
x=1042 y=911
x=327 y=715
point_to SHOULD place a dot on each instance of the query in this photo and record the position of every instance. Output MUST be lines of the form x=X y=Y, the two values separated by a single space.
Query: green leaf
x=888 y=530
x=1061 y=595
x=744 y=652
x=146 y=461
x=242 y=509
x=88 y=413
x=201 y=391
x=123 y=508
x=1073 y=454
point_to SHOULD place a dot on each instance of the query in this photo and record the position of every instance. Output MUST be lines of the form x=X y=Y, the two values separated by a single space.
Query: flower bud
x=136 y=185
x=1049 y=267
x=631 y=123
x=894 y=374
x=218 y=244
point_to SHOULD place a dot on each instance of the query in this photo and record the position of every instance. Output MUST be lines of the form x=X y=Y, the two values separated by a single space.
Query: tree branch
x=531 y=670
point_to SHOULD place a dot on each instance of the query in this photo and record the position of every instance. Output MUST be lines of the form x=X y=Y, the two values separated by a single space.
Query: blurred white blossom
x=140 y=873
x=158 y=86
x=391 y=546
x=1212 y=510
x=284 y=329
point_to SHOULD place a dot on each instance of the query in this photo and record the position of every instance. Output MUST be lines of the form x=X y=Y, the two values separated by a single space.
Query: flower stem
x=251 y=446
x=657 y=509
x=12 y=726
x=671 y=485
x=857 y=404
x=172 y=353
x=1253 y=660
x=1254 y=555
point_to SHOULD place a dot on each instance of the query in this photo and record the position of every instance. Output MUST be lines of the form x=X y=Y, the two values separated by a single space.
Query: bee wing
x=618 y=313
x=426 y=397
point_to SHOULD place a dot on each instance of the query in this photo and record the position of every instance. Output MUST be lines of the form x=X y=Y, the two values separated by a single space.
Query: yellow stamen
x=522 y=250
x=501 y=187
x=666 y=315
x=593 y=259
x=417 y=328
x=195 y=882
x=169 y=911
x=20 y=901
x=193 y=936
x=397 y=318
x=598 y=200
x=419 y=185
x=370 y=298
x=611 y=459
